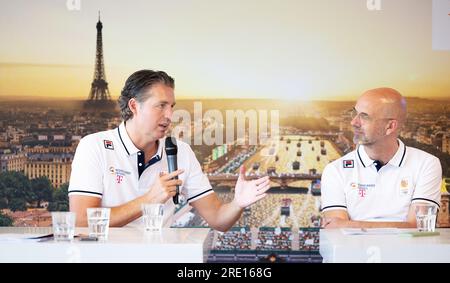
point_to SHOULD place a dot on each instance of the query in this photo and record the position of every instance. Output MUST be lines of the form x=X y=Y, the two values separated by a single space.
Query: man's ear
x=133 y=105
x=391 y=126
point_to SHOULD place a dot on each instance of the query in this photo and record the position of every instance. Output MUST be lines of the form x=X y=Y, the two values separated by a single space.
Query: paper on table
x=22 y=237
x=370 y=231
x=420 y=234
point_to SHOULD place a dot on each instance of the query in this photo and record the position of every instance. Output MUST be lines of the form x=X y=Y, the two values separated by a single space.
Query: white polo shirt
x=108 y=165
x=353 y=183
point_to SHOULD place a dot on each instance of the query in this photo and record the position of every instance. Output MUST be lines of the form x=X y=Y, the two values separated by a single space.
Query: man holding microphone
x=126 y=167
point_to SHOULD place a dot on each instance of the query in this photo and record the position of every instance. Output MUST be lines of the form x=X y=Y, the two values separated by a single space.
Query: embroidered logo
x=404 y=183
x=404 y=186
x=362 y=192
x=348 y=163
x=108 y=144
x=119 y=174
x=119 y=178
x=364 y=189
x=111 y=170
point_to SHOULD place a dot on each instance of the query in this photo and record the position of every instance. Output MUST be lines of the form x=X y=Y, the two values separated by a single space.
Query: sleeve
x=196 y=184
x=428 y=185
x=86 y=177
x=332 y=187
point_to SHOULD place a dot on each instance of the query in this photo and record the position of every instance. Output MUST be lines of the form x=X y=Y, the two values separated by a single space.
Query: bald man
x=378 y=184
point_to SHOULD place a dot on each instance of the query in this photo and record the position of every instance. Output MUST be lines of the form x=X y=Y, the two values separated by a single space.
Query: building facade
x=12 y=162
x=55 y=166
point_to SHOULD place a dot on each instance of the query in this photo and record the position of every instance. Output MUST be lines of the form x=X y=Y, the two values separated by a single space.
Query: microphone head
x=171 y=146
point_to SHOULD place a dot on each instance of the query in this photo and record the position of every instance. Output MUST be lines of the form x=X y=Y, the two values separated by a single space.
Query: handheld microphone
x=171 y=152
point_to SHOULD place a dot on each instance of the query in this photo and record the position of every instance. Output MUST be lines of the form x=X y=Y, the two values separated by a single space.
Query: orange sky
x=311 y=49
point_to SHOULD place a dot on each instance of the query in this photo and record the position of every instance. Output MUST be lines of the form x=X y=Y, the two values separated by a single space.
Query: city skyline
x=303 y=50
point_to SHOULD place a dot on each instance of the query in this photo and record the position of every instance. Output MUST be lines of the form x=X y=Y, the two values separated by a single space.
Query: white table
x=183 y=245
x=337 y=247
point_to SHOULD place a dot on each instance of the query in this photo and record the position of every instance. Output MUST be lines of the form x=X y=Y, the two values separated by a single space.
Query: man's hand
x=164 y=187
x=249 y=192
x=335 y=222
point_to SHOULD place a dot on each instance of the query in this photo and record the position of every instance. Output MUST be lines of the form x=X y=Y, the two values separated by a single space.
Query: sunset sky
x=301 y=49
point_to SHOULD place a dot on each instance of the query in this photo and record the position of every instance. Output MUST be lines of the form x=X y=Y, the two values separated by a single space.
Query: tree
x=5 y=220
x=42 y=190
x=3 y=196
x=15 y=191
x=60 y=200
x=17 y=204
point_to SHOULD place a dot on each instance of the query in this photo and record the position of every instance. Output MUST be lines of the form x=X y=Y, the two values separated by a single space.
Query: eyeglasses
x=364 y=117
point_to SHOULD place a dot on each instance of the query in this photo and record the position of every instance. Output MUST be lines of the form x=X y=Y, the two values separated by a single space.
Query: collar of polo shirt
x=396 y=160
x=129 y=146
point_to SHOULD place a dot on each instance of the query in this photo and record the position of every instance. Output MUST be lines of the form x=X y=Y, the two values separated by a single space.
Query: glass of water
x=152 y=216
x=63 y=225
x=426 y=217
x=98 y=222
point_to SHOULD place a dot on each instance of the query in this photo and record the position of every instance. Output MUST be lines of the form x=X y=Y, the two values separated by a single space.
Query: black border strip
x=357 y=151
x=163 y=147
x=79 y=191
x=404 y=151
x=189 y=199
x=426 y=200
x=120 y=137
x=330 y=206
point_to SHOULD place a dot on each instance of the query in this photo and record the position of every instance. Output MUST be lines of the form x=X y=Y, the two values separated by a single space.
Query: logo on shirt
x=119 y=179
x=108 y=144
x=363 y=189
x=362 y=192
x=348 y=163
x=119 y=174
x=404 y=186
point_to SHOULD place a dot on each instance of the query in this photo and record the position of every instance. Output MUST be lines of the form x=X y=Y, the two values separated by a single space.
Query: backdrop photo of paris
x=269 y=88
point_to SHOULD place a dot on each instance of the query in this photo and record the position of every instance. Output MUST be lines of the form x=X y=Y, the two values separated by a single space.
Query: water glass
x=426 y=217
x=98 y=222
x=152 y=216
x=63 y=225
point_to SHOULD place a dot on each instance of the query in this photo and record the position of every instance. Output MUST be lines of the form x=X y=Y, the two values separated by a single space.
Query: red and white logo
x=348 y=163
x=108 y=144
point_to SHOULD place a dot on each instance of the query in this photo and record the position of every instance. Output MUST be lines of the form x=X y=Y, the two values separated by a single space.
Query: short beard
x=361 y=140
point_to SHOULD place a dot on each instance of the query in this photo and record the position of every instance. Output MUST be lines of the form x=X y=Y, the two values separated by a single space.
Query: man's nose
x=168 y=113
x=355 y=122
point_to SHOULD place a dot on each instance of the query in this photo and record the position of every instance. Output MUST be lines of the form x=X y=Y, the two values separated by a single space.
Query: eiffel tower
x=99 y=96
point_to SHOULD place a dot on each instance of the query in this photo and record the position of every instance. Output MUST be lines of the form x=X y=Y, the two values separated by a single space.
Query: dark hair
x=137 y=84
